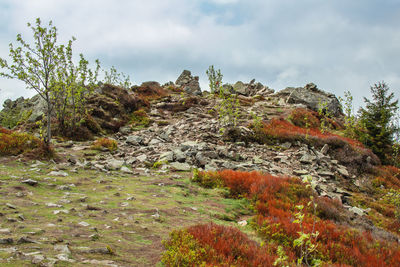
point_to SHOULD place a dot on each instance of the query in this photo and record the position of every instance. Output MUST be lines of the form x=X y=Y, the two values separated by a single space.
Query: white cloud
x=339 y=45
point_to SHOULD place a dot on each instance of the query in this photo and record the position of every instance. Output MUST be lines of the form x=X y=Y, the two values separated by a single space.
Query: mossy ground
x=119 y=209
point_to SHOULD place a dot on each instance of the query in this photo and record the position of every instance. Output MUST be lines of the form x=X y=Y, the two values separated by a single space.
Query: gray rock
x=62 y=249
x=357 y=211
x=142 y=158
x=125 y=130
x=30 y=182
x=324 y=149
x=167 y=156
x=343 y=171
x=180 y=166
x=5 y=231
x=125 y=169
x=134 y=140
x=6 y=241
x=189 y=83
x=286 y=145
x=11 y=206
x=58 y=173
x=326 y=173
x=312 y=97
x=240 y=88
x=179 y=155
x=307 y=158
x=202 y=159
x=25 y=240
x=114 y=164
x=154 y=141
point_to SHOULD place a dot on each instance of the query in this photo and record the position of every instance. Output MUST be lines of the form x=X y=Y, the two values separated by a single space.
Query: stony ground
x=91 y=218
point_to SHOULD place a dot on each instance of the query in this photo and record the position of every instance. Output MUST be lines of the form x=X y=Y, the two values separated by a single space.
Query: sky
x=339 y=45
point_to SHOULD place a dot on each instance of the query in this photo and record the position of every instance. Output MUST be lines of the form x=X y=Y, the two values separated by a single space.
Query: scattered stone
x=101 y=262
x=242 y=223
x=125 y=169
x=55 y=212
x=286 y=145
x=178 y=166
x=357 y=211
x=30 y=182
x=53 y=205
x=326 y=173
x=142 y=158
x=343 y=171
x=11 y=206
x=134 y=140
x=307 y=159
x=6 y=241
x=324 y=149
x=62 y=249
x=167 y=156
x=58 y=173
x=84 y=224
x=114 y=164
x=5 y=231
x=11 y=220
x=25 y=240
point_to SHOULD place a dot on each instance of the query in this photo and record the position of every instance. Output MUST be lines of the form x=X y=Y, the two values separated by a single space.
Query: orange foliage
x=389 y=176
x=105 y=143
x=14 y=143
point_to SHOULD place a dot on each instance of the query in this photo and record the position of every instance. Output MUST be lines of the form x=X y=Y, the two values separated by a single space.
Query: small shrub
x=304 y=118
x=105 y=143
x=15 y=143
x=139 y=118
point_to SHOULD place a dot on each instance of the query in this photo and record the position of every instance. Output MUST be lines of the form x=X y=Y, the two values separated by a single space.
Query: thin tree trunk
x=48 y=120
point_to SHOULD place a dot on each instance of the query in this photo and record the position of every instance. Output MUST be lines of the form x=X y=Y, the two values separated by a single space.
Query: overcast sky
x=337 y=44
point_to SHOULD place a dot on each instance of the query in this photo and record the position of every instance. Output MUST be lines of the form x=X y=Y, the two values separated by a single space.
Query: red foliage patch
x=388 y=176
x=228 y=246
x=283 y=130
x=275 y=200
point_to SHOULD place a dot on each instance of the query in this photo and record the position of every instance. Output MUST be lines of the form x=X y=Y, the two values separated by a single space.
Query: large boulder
x=110 y=107
x=189 y=83
x=21 y=110
x=312 y=97
x=248 y=89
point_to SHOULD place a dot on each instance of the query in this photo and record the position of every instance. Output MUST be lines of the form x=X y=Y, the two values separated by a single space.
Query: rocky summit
x=111 y=197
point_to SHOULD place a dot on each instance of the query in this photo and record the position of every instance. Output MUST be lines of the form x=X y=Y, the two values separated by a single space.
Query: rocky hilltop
x=112 y=207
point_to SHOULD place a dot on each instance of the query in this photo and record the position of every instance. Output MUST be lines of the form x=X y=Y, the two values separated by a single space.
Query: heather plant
x=105 y=143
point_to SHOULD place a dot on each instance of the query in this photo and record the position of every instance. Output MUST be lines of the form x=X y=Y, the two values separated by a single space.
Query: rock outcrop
x=189 y=83
x=312 y=97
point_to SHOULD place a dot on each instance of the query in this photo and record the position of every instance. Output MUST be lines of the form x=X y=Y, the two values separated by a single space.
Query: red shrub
x=304 y=118
x=275 y=203
x=283 y=130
